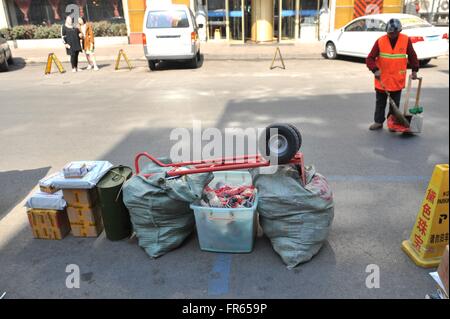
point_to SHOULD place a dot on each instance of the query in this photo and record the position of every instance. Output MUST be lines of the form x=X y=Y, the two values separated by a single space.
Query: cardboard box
x=82 y=216
x=83 y=198
x=443 y=270
x=75 y=170
x=87 y=230
x=48 y=224
x=45 y=184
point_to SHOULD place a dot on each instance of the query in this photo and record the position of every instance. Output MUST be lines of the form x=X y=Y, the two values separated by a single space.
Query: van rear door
x=168 y=32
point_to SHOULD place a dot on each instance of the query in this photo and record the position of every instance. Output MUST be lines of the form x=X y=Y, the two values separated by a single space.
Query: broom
x=394 y=109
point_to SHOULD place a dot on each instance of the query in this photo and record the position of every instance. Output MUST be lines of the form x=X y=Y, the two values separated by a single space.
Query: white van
x=170 y=33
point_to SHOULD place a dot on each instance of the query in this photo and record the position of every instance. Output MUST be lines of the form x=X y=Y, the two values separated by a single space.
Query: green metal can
x=116 y=217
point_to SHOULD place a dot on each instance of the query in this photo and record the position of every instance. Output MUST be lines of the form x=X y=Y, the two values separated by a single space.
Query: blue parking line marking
x=218 y=283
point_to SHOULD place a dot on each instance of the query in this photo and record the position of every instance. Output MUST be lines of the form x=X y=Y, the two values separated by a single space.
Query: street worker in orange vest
x=388 y=61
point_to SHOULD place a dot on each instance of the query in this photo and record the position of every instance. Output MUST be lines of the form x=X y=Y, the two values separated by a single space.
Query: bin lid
x=115 y=176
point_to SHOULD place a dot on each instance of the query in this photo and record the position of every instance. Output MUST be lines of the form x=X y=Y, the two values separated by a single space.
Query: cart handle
x=198 y=164
x=150 y=157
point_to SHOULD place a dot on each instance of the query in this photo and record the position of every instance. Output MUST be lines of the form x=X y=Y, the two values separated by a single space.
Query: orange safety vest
x=392 y=63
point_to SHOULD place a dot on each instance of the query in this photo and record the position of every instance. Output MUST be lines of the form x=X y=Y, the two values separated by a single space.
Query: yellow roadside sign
x=430 y=233
x=122 y=54
x=52 y=58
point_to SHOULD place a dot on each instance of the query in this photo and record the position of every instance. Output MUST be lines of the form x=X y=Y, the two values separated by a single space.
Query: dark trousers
x=74 y=59
x=382 y=101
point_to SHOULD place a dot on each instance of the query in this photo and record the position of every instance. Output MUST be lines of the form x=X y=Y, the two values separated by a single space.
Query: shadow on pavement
x=18 y=64
x=361 y=234
x=177 y=65
x=16 y=185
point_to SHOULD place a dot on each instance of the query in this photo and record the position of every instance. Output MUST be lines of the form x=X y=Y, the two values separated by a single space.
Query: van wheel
x=424 y=62
x=152 y=65
x=195 y=62
x=282 y=144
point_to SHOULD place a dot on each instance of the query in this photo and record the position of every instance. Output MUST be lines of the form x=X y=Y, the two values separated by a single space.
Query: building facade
x=259 y=21
x=48 y=12
x=234 y=21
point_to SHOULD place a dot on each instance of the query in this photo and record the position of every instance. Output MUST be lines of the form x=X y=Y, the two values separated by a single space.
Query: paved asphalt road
x=378 y=178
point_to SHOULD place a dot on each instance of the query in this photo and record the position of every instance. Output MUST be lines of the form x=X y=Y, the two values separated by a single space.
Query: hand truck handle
x=153 y=159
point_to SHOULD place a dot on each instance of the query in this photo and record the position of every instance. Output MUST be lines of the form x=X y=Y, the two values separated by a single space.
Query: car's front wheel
x=10 y=60
x=330 y=51
x=4 y=66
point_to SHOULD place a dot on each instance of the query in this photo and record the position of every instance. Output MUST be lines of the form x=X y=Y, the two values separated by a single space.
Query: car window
x=167 y=19
x=359 y=25
x=413 y=22
x=375 y=25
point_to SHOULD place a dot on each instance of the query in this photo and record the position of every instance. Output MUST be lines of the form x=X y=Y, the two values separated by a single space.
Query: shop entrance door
x=236 y=14
x=289 y=15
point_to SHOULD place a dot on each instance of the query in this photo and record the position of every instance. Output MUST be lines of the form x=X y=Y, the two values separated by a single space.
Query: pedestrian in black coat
x=71 y=39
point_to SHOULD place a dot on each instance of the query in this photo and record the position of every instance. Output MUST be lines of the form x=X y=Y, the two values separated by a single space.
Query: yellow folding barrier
x=122 y=54
x=52 y=58
x=277 y=51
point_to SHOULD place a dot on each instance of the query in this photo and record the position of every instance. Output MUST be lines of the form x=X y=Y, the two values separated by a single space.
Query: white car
x=358 y=36
x=170 y=33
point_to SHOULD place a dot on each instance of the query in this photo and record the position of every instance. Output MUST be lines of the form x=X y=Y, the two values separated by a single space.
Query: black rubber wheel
x=298 y=134
x=195 y=62
x=330 y=51
x=10 y=60
x=4 y=66
x=282 y=144
x=152 y=65
x=424 y=62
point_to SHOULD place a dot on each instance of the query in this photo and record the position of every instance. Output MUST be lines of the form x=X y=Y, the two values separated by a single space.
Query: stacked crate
x=48 y=223
x=47 y=214
x=84 y=212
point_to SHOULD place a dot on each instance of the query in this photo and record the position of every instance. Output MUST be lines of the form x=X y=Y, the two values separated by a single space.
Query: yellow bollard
x=52 y=58
x=429 y=236
x=122 y=54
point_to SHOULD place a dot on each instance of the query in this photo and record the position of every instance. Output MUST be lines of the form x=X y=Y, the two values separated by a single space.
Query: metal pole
x=243 y=20
x=318 y=20
x=297 y=19
x=227 y=17
x=280 y=11
x=432 y=12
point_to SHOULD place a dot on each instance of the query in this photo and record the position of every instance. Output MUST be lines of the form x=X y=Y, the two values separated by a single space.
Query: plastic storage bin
x=228 y=230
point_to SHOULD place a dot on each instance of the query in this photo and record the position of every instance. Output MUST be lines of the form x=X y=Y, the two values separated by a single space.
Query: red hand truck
x=284 y=144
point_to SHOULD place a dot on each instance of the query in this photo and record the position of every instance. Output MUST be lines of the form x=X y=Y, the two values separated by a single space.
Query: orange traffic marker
x=429 y=236
x=52 y=58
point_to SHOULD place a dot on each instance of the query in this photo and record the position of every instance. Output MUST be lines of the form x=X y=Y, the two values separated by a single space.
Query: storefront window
x=287 y=19
x=217 y=19
x=47 y=12
x=309 y=19
x=235 y=19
